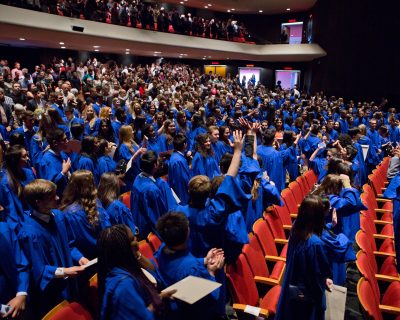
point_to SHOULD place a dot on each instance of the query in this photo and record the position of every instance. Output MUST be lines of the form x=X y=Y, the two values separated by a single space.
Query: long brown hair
x=14 y=172
x=332 y=184
x=81 y=189
x=108 y=188
x=310 y=219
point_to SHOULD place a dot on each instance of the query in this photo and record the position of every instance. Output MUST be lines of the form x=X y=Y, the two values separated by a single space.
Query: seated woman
x=125 y=292
x=308 y=273
x=16 y=176
x=84 y=215
x=109 y=191
x=204 y=162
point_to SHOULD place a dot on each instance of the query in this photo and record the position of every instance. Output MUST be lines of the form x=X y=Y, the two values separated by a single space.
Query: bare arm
x=238 y=145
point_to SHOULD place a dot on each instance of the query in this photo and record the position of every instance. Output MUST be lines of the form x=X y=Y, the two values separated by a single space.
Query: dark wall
x=361 y=39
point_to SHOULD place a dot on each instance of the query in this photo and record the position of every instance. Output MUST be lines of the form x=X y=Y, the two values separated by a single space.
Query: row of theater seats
x=379 y=287
x=255 y=279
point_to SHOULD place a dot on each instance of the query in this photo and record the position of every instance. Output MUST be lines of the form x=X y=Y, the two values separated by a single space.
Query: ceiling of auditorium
x=248 y=6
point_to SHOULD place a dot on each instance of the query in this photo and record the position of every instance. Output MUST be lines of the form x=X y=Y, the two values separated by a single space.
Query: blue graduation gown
x=179 y=175
x=167 y=194
x=124 y=297
x=92 y=131
x=393 y=192
x=14 y=269
x=348 y=206
x=50 y=169
x=206 y=166
x=177 y=266
x=311 y=144
x=306 y=264
x=37 y=146
x=27 y=136
x=81 y=234
x=289 y=155
x=123 y=152
x=273 y=164
x=207 y=224
x=339 y=250
x=14 y=209
x=86 y=163
x=120 y=214
x=220 y=148
x=147 y=203
x=46 y=247
x=105 y=164
x=362 y=169
x=318 y=165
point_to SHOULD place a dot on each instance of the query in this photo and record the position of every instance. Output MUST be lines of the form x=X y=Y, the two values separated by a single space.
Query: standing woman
x=204 y=162
x=87 y=160
x=92 y=123
x=84 y=215
x=16 y=176
x=105 y=163
x=124 y=290
x=308 y=270
x=289 y=153
x=166 y=139
x=109 y=191
x=38 y=142
x=128 y=148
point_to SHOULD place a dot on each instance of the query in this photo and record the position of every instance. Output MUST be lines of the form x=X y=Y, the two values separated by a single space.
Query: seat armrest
x=267 y=281
x=274 y=258
x=389 y=309
x=383 y=277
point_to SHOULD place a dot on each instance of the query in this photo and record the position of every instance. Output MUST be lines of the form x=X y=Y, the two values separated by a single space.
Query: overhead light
x=63 y=47
x=128 y=49
x=157 y=52
x=22 y=39
x=260 y=11
x=209 y=5
x=204 y=58
x=97 y=50
x=127 y=52
x=233 y=9
x=227 y=58
x=96 y=47
x=206 y=7
x=228 y=10
x=181 y=2
x=287 y=9
x=61 y=43
x=185 y=0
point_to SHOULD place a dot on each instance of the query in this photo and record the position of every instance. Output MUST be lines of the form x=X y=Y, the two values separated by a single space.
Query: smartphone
x=4 y=309
x=322 y=145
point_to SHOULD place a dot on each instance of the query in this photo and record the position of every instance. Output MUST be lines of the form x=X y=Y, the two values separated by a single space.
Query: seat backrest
x=276 y=226
x=376 y=187
x=368 y=299
x=296 y=190
x=290 y=201
x=154 y=241
x=255 y=260
x=146 y=249
x=392 y=295
x=303 y=186
x=241 y=283
x=282 y=213
x=364 y=265
x=263 y=238
x=126 y=199
x=68 y=311
x=365 y=241
x=388 y=267
x=367 y=225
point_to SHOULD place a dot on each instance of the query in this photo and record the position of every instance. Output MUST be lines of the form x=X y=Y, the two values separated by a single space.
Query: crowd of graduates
x=202 y=157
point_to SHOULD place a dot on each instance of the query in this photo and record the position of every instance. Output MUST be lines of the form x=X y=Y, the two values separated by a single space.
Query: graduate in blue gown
x=204 y=162
x=14 y=271
x=105 y=163
x=307 y=266
x=176 y=262
x=28 y=130
x=16 y=176
x=393 y=192
x=84 y=215
x=124 y=290
x=288 y=150
x=148 y=202
x=179 y=172
x=346 y=200
x=108 y=193
x=44 y=240
x=55 y=165
x=208 y=218
x=272 y=160
x=87 y=159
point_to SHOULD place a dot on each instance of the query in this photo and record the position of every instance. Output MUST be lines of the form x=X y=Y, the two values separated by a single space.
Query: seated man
x=176 y=263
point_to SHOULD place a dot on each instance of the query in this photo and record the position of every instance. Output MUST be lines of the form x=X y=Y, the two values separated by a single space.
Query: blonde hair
x=363 y=129
x=81 y=189
x=84 y=115
x=104 y=113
